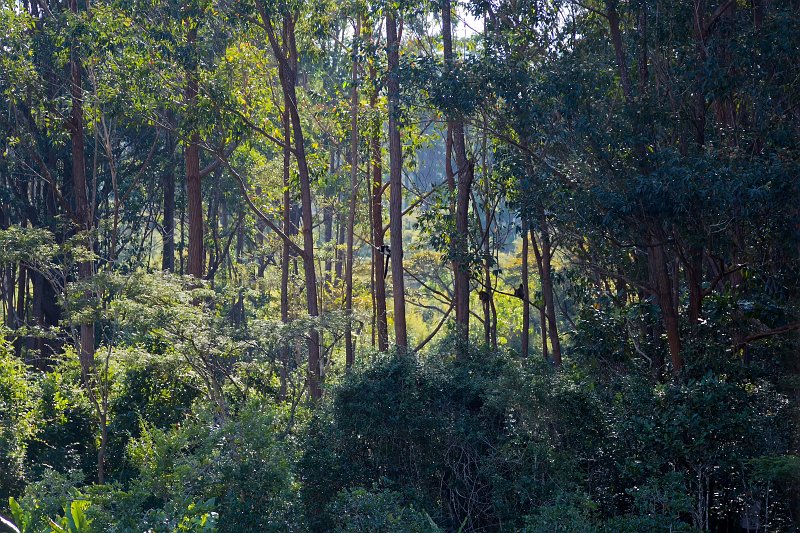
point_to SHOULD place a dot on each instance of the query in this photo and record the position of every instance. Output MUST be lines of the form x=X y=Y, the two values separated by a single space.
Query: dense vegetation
x=343 y=265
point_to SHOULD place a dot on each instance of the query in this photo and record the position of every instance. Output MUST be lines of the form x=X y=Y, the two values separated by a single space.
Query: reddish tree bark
x=395 y=183
x=377 y=228
x=465 y=172
x=194 y=196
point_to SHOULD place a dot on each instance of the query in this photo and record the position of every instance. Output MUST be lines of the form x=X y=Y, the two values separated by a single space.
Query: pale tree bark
x=168 y=224
x=395 y=182
x=348 y=281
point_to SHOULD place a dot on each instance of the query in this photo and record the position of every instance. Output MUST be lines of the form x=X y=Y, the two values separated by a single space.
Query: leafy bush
x=241 y=464
x=18 y=422
x=360 y=511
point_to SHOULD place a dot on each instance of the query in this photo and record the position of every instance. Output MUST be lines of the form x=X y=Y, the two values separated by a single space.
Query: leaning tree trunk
x=287 y=70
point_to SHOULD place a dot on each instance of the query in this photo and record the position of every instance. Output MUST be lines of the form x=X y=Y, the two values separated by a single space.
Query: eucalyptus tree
x=283 y=44
x=465 y=170
x=393 y=40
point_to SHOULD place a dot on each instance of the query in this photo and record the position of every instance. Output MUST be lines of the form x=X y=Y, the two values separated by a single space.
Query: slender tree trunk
x=327 y=237
x=22 y=303
x=657 y=263
x=327 y=232
x=547 y=293
x=487 y=248
x=168 y=224
x=84 y=214
x=194 y=197
x=544 y=260
x=85 y=268
x=341 y=231
x=182 y=241
x=377 y=227
x=543 y=328
x=542 y=309
x=285 y=53
x=286 y=56
x=395 y=182
x=22 y=289
x=612 y=14
x=8 y=296
x=288 y=229
x=351 y=218
x=526 y=308
x=465 y=173
x=694 y=278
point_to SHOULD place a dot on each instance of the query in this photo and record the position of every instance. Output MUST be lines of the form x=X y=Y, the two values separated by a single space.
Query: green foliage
x=361 y=511
x=652 y=144
x=18 y=418
x=240 y=465
x=65 y=441
x=508 y=438
x=52 y=504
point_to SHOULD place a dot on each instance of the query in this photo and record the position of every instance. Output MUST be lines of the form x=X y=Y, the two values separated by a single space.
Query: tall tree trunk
x=465 y=173
x=341 y=231
x=395 y=182
x=327 y=232
x=542 y=309
x=327 y=237
x=694 y=278
x=286 y=56
x=657 y=263
x=351 y=218
x=168 y=225
x=194 y=196
x=84 y=214
x=377 y=227
x=487 y=248
x=22 y=303
x=288 y=229
x=543 y=331
x=544 y=261
x=526 y=308
x=612 y=15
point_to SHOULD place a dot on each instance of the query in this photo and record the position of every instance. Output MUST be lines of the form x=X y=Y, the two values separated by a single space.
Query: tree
x=395 y=180
x=285 y=53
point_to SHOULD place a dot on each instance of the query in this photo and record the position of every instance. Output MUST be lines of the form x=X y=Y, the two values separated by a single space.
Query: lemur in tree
x=387 y=253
